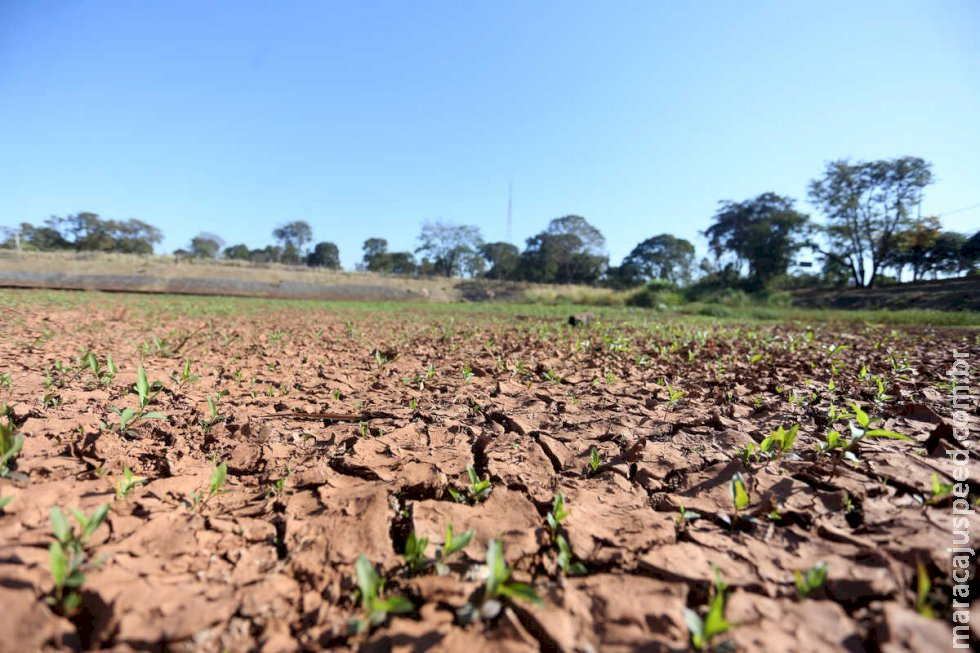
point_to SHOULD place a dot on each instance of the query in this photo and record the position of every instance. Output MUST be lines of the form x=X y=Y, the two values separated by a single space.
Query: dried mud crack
x=339 y=431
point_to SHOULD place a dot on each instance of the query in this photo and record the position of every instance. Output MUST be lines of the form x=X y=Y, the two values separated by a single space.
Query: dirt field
x=343 y=428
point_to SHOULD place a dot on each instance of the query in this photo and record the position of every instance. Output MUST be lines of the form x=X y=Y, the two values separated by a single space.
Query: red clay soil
x=416 y=397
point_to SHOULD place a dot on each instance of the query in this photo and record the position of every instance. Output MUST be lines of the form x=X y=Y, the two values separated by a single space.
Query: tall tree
x=205 y=245
x=569 y=250
x=765 y=233
x=324 y=255
x=238 y=252
x=454 y=248
x=866 y=204
x=663 y=257
x=503 y=259
x=375 y=254
x=293 y=235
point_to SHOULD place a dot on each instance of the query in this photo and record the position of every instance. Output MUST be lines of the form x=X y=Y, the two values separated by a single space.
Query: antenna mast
x=510 y=210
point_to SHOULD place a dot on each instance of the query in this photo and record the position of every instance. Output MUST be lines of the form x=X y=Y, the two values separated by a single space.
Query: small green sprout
x=11 y=442
x=673 y=396
x=566 y=560
x=374 y=609
x=923 y=586
x=739 y=493
x=5 y=501
x=713 y=624
x=103 y=376
x=684 y=515
x=278 y=487
x=67 y=556
x=939 y=490
x=414 y=554
x=476 y=492
x=185 y=376
x=453 y=544
x=498 y=588
x=779 y=442
x=595 y=463
x=214 y=415
x=415 y=547
x=215 y=487
x=217 y=482
x=864 y=428
x=814 y=578
x=146 y=392
x=128 y=483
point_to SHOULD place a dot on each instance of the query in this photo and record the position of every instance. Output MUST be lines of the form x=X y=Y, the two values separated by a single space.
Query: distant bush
x=779 y=299
x=576 y=295
x=656 y=294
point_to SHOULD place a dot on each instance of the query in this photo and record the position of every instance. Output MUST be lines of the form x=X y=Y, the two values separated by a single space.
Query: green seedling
x=11 y=442
x=5 y=501
x=67 y=556
x=684 y=515
x=374 y=608
x=217 y=482
x=103 y=376
x=848 y=445
x=739 y=493
x=414 y=554
x=704 y=629
x=215 y=487
x=128 y=483
x=498 y=588
x=185 y=376
x=278 y=487
x=566 y=560
x=453 y=544
x=778 y=442
x=468 y=373
x=673 y=395
x=214 y=415
x=595 y=463
x=923 y=586
x=128 y=418
x=939 y=490
x=415 y=547
x=476 y=492
x=814 y=578
x=6 y=381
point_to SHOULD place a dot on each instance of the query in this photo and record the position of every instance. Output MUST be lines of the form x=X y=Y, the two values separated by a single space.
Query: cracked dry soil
x=422 y=394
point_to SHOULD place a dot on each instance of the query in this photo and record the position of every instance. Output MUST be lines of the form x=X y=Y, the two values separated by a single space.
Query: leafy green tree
x=324 y=255
x=401 y=263
x=293 y=236
x=238 y=252
x=454 y=249
x=764 y=233
x=268 y=254
x=206 y=245
x=42 y=239
x=87 y=232
x=503 y=258
x=866 y=204
x=570 y=250
x=664 y=257
x=375 y=257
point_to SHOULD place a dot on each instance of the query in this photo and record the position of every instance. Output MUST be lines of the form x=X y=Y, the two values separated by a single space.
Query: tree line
x=871 y=226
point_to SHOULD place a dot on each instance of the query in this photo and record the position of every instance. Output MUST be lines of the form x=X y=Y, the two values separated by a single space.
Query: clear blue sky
x=367 y=118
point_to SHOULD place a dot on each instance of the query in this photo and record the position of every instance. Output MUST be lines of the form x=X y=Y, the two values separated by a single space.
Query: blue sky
x=367 y=118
